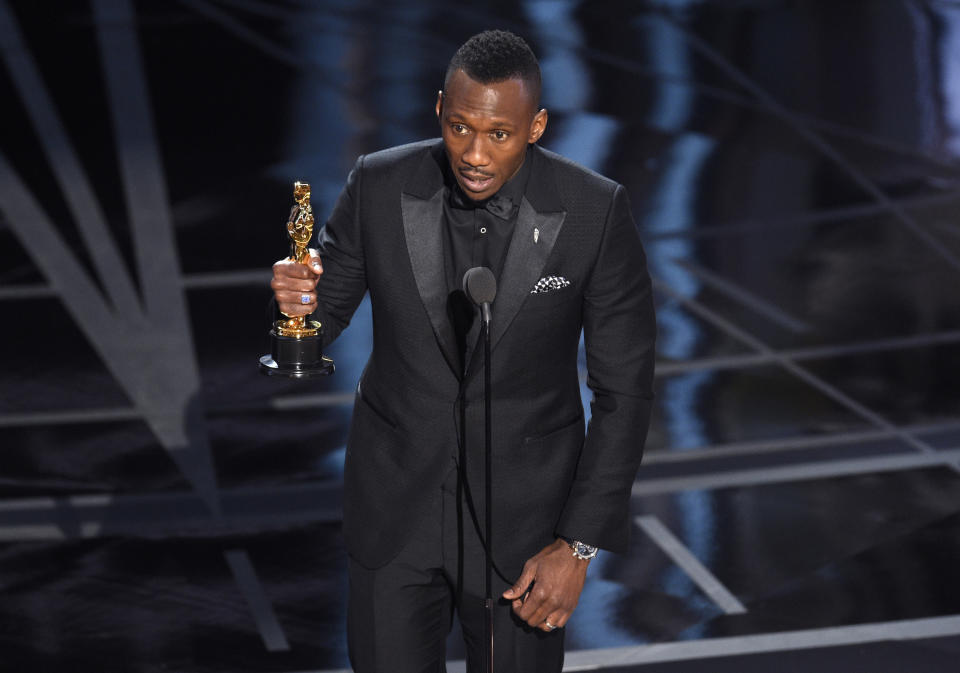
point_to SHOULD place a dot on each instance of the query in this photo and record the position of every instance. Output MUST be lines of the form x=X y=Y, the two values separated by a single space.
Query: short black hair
x=497 y=55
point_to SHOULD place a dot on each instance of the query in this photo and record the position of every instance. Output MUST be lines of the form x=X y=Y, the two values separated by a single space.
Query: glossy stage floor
x=793 y=168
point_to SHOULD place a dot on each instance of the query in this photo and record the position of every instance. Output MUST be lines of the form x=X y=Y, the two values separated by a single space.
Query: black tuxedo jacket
x=385 y=236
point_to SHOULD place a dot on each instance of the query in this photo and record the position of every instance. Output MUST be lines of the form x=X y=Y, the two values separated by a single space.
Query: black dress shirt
x=478 y=234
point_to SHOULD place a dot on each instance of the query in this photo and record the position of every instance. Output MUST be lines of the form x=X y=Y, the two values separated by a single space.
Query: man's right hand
x=293 y=281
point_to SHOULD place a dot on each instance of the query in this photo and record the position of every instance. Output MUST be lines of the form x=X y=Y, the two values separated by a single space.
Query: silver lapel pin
x=536 y=235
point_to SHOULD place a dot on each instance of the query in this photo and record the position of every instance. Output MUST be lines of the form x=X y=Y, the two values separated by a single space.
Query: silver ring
x=550 y=627
x=304 y=298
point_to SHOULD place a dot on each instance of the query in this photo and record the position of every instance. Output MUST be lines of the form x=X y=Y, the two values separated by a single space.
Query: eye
x=500 y=135
x=459 y=129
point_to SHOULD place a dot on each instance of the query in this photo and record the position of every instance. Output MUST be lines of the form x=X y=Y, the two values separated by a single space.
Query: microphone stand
x=488 y=481
x=480 y=285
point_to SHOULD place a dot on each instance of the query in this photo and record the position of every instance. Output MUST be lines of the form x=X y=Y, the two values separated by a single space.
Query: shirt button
x=483 y=230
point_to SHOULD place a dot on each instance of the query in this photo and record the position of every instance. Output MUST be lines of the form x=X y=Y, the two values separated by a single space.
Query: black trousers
x=398 y=616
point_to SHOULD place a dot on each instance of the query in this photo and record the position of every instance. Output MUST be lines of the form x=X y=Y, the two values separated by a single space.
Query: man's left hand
x=557 y=577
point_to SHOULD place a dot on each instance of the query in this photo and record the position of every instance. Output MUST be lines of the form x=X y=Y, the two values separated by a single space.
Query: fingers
x=521 y=586
x=288 y=270
x=556 y=620
x=296 y=303
x=315 y=264
x=537 y=607
x=545 y=596
x=294 y=285
x=549 y=616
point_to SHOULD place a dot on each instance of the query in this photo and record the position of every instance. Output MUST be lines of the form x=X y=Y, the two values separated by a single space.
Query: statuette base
x=296 y=357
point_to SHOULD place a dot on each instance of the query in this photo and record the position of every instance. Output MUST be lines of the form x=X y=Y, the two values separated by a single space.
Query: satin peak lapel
x=423 y=228
x=530 y=248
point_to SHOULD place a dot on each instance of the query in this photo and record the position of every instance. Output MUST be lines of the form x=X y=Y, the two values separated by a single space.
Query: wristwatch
x=582 y=550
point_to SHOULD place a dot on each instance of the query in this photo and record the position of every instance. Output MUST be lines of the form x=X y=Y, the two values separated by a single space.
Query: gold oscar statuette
x=295 y=341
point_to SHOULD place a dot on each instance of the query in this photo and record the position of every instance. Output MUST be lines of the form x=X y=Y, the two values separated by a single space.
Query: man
x=561 y=241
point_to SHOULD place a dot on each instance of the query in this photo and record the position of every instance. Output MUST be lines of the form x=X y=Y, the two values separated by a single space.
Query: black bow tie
x=498 y=204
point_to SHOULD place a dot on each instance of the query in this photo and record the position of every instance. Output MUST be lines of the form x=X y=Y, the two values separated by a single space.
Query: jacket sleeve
x=619 y=333
x=340 y=244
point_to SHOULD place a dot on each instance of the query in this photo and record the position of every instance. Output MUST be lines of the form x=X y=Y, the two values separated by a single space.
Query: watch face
x=583 y=550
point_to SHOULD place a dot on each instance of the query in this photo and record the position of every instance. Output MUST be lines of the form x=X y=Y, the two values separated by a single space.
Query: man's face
x=486 y=129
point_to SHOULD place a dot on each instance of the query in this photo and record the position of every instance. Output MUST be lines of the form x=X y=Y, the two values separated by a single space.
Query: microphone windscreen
x=480 y=285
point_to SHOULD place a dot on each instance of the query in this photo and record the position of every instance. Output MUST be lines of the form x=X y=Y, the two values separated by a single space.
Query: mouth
x=475 y=182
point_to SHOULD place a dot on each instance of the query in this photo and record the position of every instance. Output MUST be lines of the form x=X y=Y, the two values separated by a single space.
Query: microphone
x=481 y=287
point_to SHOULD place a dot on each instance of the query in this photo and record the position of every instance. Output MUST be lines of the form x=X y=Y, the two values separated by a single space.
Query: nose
x=476 y=155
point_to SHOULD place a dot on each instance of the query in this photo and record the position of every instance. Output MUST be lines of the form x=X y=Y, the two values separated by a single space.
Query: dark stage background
x=793 y=168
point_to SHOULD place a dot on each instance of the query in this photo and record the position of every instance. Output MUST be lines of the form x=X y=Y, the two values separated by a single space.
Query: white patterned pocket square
x=549 y=284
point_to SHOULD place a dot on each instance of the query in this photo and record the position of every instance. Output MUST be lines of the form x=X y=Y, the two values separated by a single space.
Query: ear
x=537 y=126
x=439 y=103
